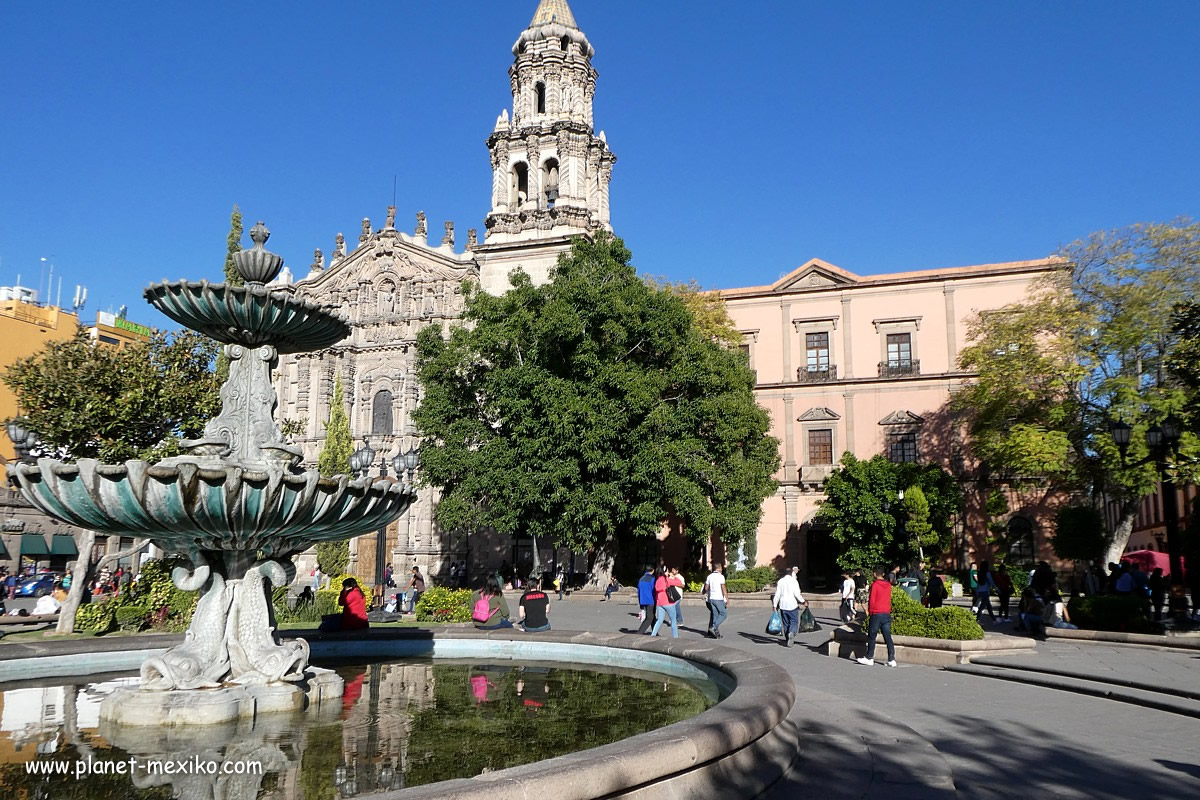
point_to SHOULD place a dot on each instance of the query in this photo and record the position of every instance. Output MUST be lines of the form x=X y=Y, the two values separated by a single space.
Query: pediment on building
x=388 y=257
x=818 y=414
x=902 y=418
x=814 y=274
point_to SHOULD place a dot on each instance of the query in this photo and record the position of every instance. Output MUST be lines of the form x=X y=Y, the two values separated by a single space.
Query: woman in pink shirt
x=664 y=608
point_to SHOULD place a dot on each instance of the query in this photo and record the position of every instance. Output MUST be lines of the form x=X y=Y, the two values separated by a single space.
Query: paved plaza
x=921 y=732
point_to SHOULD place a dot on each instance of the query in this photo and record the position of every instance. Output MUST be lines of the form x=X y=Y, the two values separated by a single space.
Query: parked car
x=37 y=586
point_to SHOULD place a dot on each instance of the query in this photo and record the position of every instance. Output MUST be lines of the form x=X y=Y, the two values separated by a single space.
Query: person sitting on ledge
x=533 y=609
x=613 y=586
x=354 y=606
x=496 y=614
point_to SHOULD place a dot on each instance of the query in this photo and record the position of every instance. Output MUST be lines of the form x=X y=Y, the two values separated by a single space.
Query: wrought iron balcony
x=900 y=369
x=821 y=374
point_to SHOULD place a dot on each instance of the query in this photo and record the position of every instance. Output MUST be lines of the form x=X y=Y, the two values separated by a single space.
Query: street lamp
x=1162 y=440
x=24 y=440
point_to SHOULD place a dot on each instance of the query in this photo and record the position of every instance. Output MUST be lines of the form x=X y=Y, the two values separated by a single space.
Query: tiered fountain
x=237 y=505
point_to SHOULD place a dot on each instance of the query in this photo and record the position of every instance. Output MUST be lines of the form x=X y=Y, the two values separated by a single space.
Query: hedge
x=94 y=618
x=910 y=618
x=759 y=576
x=440 y=604
x=741 y=585
x=1112 y=612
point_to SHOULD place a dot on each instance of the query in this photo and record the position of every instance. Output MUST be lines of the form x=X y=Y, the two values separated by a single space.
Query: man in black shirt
x=532 y=610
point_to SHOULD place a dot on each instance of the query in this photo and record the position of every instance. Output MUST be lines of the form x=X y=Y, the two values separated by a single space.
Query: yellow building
x=116 y=331
x=25 y=328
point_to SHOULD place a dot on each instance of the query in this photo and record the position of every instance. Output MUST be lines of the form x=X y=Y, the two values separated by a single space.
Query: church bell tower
x=550 y=172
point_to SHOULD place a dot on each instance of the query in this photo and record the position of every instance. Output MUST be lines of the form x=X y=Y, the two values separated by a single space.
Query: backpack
x=483 y=609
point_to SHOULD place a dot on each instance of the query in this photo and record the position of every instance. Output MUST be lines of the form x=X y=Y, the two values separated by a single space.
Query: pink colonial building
x=867 y=364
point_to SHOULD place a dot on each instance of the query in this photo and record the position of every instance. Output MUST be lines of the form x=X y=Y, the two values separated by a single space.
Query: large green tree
x=1090 y=344
x=863 y=509
x=91 y=401
x=1184 y=361
x=588 y=410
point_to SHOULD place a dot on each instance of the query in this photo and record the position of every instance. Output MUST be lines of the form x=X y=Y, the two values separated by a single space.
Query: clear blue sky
x=751 y=136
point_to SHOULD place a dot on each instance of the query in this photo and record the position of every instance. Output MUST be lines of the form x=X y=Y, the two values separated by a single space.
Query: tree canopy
x=875 y=528
x=86 y=400
x=1090 y=344
x=590 y=409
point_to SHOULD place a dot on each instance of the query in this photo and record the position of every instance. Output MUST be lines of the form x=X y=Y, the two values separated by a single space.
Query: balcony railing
x=821 y=374
x=899 y=369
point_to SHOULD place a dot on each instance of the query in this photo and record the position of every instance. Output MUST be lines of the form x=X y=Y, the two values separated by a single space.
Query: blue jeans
x=504 y=623
x=662 y=613
x=880 y=623
x=716 y=615
x=679 y=612
x=791 y=621
x=529 y=629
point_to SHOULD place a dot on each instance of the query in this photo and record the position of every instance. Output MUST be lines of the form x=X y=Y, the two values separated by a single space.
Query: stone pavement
x=920 y=732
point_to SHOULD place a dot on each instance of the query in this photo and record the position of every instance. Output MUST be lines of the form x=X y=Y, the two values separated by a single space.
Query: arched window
x=550 y=180
x=541 y=97
x=381 y=413
x=1020 y=542
x=520 y=183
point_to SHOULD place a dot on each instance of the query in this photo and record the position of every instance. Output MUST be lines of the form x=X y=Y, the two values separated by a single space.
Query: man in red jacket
x=879 y=607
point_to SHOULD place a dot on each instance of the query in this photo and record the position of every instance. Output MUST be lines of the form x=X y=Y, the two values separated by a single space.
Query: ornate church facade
x=550 y=179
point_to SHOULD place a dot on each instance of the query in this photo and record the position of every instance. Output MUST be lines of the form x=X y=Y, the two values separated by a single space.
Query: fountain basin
x=210 y=506
x=250 y=315
x=738 y=748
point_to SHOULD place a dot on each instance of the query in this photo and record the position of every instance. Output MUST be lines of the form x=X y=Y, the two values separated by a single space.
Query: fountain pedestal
x=141 y=707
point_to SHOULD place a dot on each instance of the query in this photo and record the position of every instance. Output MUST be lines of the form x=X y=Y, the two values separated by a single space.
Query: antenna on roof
x=80 y=298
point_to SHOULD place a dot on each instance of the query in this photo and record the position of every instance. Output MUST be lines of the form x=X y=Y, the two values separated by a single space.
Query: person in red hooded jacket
x=354 y=606
x=879 y=607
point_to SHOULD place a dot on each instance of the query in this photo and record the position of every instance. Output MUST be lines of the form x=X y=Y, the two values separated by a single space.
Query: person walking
x=983 y=592
x=787 y=602
x=847 y=609
x=879 y=606
x=645 y=589
x=714 y=594
x=665 y=597
x=1004 y=588
x=676 y=580
x=416 y=587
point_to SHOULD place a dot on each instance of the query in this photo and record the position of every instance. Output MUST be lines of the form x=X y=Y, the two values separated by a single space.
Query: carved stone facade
x=392 y=285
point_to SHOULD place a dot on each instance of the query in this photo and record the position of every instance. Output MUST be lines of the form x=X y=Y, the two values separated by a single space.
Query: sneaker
x=892 y=663
x=866 y=662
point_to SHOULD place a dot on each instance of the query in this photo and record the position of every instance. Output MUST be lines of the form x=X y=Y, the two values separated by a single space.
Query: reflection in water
x=400 y=724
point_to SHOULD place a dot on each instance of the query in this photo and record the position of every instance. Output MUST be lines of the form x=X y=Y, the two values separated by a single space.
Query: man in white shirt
x=847 y=610
x=714 y=592
x=788 y=601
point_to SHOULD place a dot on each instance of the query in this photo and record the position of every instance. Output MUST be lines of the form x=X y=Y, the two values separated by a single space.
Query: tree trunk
x=84 y=573
x=1121 y=535
x=602 y=564
x=79 y=583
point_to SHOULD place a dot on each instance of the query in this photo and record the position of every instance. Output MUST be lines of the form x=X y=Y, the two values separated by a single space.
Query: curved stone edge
x=740 y=747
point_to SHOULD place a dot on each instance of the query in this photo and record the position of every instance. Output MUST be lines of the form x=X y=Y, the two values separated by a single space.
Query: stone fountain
x=238 y=505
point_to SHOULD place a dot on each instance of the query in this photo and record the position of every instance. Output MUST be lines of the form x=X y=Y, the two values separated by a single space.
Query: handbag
x=673 y=594
x=775 y=623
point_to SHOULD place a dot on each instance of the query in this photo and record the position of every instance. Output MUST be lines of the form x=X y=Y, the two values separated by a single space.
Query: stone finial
x=366 y=230
x=448 y=238
x=391 y=219
x=339 y=246
x=472 y=238
x=318 y=264
x=502 y=121
x=257 y=265
x=422 y=226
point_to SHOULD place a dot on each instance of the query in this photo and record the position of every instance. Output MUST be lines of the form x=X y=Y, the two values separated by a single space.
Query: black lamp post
x=1162 y=441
